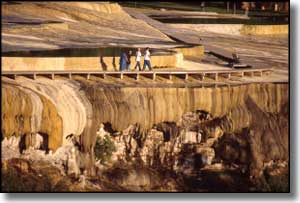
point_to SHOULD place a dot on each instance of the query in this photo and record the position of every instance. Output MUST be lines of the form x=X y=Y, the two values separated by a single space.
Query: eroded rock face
x=166 y=145
x=22 y=175
x=59 y=121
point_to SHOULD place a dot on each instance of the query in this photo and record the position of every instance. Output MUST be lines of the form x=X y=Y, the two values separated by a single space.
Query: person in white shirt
x=147 y=59
x=138 y=59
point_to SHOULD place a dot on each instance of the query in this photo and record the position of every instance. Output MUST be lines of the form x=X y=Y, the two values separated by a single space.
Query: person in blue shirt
x=123 y=61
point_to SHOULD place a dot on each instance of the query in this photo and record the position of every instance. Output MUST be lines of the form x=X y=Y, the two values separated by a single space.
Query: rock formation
x=93 y=134
x=54 y=25
x=60 y=120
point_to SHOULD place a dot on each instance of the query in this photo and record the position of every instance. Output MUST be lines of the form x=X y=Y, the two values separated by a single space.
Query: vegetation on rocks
x=104 y=149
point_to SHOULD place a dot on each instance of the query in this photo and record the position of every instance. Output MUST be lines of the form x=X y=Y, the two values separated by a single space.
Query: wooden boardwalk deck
x=198 y=74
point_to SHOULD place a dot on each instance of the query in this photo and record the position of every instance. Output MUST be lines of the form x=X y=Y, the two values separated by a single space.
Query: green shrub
x=104 y=149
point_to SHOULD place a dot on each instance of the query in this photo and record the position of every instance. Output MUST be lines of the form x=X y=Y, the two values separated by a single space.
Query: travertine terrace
x=85 y=132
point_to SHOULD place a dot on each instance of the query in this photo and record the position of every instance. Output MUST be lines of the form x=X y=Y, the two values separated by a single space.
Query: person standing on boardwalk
x=128 y=60
x=123 y=61
x=138 y=56
x=147 y=59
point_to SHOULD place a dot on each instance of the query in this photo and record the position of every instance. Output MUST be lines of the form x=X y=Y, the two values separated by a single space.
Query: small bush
x=104 y=149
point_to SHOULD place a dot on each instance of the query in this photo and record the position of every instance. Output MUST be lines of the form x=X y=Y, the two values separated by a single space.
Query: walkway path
x=169 y=74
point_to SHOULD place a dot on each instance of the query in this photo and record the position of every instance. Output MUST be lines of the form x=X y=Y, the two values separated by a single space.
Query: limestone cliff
x=77 y=102
x=245 y=125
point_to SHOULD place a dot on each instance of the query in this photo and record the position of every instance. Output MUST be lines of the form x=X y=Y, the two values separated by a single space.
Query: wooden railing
x=184 y=74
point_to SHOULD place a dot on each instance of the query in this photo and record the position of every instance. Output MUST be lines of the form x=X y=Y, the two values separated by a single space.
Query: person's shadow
x=114 y=63
x=103 y=64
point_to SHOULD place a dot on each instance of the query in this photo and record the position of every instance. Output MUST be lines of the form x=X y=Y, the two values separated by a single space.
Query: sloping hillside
x=53 y=25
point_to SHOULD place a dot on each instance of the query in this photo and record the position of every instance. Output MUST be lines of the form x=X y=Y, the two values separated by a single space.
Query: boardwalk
x=198 y=74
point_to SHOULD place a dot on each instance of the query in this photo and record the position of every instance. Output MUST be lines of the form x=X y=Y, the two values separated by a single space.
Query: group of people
x=125 y=60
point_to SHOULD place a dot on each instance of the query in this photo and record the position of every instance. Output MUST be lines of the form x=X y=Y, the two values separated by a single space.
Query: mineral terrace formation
x=155 y=128
x=112 y=134
x=54 y=25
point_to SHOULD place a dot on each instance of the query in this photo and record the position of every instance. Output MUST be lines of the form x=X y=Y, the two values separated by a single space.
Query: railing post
x=225 y=75
x=216 y=77
x=186 y=76
x=121 y=76
x=202 y=76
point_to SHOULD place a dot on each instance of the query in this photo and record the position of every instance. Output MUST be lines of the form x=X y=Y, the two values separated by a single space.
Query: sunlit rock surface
x=237 y=29
x=53 y=25
x=92 y=63
x=74 y=105
x=180 y=130
x=152 y=135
